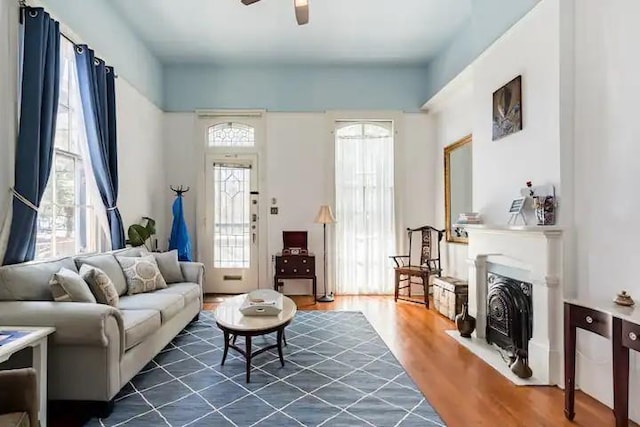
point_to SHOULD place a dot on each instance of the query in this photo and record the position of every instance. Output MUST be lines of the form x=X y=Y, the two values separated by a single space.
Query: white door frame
x=253 y=118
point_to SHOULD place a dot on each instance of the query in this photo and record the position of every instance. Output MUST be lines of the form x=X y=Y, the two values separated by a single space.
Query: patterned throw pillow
x=142 y=274
x=69 y=286
x=100 y=284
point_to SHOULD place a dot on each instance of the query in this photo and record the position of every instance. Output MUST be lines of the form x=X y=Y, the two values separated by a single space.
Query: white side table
x=37 y=339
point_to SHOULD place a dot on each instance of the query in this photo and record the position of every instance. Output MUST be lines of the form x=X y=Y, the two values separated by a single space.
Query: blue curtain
x=38 y=111
x=179 y=234
x=98 y=95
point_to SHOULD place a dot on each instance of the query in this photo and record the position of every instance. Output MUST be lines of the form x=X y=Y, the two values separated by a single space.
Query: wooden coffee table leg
x=280 y=336
x=284 y=337
x=248 y=351
x=226 y=347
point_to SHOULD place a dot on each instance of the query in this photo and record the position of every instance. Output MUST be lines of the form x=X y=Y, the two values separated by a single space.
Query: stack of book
x=469 y=218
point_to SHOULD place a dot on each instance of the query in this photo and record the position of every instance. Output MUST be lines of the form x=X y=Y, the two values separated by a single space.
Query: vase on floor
x=465 y=322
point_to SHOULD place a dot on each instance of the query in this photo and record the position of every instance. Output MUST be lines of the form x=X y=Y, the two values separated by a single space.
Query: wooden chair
x=408 y=267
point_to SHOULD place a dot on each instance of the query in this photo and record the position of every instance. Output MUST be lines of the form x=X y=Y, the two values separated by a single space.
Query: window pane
x=67 y=221
x=62 y=128
x=65 y=197
x=231 y=218
x=231 y=135
x=44 y=244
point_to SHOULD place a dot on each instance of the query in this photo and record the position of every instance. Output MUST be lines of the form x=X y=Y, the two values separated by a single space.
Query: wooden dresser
x=295 y=267
x=609 y=320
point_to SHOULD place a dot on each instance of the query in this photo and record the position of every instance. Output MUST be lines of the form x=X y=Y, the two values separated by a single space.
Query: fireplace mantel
x=493 y=228
x=534 y=255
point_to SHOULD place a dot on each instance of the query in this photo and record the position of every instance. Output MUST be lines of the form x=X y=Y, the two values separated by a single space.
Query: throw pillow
x=69 y=286
x=142 y=274
x=169 y=266
x=100 y=284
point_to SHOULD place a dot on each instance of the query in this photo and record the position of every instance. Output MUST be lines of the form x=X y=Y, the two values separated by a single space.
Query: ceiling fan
x=302 y=9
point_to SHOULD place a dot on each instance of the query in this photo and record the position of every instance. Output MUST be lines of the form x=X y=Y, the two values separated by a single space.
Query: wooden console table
x=622 y=326
x=295 y=267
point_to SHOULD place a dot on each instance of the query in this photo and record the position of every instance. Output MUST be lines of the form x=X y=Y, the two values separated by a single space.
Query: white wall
x=501 y=168
x=452 y=117
x=297 y=165
x=141 y=166
x=607 y=149
x=8 y=105
x=579 y=63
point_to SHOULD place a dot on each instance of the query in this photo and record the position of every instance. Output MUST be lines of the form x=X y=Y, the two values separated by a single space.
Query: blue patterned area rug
x=338 y=372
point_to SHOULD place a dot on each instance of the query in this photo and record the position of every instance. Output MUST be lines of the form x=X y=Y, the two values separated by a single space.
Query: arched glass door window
x=232 y=134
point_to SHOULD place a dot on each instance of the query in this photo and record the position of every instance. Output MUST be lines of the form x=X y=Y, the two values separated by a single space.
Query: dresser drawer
x=296 y=265
x=631 y=335
x=591 y=320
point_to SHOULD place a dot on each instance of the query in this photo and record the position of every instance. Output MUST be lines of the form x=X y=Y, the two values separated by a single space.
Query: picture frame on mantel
x=507 y=109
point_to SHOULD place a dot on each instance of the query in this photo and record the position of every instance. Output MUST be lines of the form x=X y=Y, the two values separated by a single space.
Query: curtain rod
x=23 y=4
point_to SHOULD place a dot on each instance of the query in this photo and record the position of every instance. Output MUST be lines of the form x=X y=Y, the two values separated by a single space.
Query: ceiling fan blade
x=302 y=11
x=248 y=2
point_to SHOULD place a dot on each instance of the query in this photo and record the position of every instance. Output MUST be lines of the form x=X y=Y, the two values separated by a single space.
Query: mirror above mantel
x=458 y=180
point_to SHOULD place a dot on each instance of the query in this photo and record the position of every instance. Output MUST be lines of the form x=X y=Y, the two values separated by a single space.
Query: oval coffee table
x=233 y=324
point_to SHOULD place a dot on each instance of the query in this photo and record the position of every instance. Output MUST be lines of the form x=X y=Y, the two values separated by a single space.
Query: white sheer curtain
x=365 y=234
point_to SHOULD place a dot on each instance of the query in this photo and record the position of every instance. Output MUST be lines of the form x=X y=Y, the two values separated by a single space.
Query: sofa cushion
x=69 y=286
x=100 y=284
x=142 y=274
x=139 y=324
x=189 y=291
x=167 y=304
x=15 y=419
x=169 y=266
x=140 y=251
x=30 y=281
x=108 y=264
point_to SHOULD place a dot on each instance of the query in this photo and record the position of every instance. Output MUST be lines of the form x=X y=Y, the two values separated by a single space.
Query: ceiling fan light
x=302 y=11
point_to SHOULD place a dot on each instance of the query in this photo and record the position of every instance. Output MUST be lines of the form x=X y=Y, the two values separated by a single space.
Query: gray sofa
x=96 y=348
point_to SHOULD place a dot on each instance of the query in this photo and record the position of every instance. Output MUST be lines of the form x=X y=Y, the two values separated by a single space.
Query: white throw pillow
x=69 y=286
x=169 y=266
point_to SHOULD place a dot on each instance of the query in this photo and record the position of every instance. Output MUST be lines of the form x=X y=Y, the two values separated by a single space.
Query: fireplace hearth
x=510 y=317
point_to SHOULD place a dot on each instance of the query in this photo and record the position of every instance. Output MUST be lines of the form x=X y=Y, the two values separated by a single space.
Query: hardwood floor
x=462 y=388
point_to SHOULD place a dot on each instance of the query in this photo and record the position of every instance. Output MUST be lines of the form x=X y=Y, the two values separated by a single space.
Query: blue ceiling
x=356 y=54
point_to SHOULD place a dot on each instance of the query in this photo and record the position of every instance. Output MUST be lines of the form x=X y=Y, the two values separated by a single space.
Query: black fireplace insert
x=509 y=313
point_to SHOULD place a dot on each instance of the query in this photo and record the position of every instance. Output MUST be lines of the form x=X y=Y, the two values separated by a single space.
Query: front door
x=231 y=190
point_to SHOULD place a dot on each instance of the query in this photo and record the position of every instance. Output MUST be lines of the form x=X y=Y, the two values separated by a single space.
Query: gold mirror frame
x=447 y=188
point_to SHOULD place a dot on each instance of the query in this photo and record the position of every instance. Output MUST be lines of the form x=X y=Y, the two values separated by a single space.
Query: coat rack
x=180 y=190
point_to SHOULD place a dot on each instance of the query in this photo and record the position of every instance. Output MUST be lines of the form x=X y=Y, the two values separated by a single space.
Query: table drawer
x=591 y=320
x=296 y=265
x=631 y=335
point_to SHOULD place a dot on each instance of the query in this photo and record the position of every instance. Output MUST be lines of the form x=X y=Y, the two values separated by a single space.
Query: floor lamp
x=324 y=217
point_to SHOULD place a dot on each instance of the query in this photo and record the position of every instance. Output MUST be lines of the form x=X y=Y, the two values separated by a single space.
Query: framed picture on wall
x=507 y=109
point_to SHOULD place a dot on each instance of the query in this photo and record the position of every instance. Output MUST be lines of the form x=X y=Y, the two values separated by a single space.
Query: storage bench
x=449 y=294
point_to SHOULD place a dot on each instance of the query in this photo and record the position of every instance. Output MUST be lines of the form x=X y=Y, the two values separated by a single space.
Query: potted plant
x=139 y=234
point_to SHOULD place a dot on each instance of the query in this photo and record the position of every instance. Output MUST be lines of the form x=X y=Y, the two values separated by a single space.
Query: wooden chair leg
x=425 y=287
x=397 y=289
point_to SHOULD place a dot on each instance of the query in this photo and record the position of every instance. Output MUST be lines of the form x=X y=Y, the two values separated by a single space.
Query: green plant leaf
x=151 y=225
x=137 y=235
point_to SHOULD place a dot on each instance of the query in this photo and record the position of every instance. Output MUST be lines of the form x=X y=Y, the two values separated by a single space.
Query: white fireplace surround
x=532 y=254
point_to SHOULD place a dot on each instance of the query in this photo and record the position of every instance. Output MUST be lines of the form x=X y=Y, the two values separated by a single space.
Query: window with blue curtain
x=71 y=218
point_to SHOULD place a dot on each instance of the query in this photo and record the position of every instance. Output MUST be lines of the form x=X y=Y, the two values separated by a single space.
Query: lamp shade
x=325 y=216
